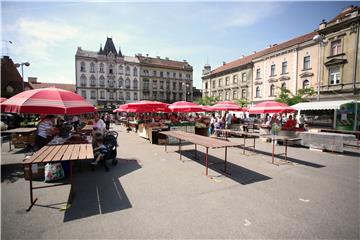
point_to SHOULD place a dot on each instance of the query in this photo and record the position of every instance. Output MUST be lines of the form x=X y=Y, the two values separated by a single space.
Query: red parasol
x=2 y=99
x=271 y=107
x=183 y=106
x=142 y=108
x=225 y=106
x=147 y=104
x=47 y=101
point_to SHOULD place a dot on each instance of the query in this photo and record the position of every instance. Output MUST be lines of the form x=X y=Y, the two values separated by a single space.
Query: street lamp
x=22 y=71
x=321 y=41
x=186 y=85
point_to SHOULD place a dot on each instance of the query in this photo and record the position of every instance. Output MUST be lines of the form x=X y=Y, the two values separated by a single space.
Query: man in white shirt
x=44 y=131
x=99 y=124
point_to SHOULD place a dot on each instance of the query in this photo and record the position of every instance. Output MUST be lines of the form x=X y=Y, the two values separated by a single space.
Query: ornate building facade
x=109 y=78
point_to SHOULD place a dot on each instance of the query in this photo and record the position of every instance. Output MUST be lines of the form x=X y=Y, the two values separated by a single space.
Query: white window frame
x=334 y=77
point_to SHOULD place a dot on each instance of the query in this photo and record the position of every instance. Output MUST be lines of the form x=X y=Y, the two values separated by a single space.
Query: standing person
x=99 y=124
x=107 y=120
x=212 y=123
x=228 y=120
x=75 y=121
x=301 y=121
x=44 y=133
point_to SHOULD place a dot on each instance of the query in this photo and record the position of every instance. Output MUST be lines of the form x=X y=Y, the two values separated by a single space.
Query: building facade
x=11 y=80
x=340 y=56
x=108 y=78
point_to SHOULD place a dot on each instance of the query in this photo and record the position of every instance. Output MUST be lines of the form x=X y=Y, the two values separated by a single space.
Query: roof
x=131 y=59
x=323 y=105
x=37 y=85
x=344 y=13
x=274 y=48
x=110 y=47
x=164 y=63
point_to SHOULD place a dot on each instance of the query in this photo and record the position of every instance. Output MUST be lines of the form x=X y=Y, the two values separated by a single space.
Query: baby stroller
x=108 y=150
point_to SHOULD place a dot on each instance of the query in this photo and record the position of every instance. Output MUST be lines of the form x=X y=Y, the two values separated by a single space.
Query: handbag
x=53 y=171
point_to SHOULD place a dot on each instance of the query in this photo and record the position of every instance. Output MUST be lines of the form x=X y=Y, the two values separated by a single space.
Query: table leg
x=72 y=187
x=166 y=143
x=286 y=145
x=10 y=142
x=32 y=202
x=225 y=163
x=273 y=150
x=244 y=144
x=195 y=152
x=207 y=161
x=180 y=148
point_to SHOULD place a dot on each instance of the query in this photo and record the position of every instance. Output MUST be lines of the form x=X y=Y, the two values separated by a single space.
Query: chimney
x=254 y=52
x=224 y=63
x=32 y=79
x=166 y=58
x=158 y=57
x=322 y=25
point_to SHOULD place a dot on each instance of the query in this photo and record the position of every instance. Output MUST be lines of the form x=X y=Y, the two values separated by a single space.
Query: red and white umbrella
x=2 y=99
x=147 y=104
x=47 y=101
x=225 y=106
x=140 y=108
x=271 y=107
x=183 y=106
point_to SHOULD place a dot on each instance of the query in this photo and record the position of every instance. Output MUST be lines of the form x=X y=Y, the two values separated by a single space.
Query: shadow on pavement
x=10 y=173
x=100 y=192
x=239 y=174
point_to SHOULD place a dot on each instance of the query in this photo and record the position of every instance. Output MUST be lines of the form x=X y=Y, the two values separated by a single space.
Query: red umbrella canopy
x=147 y=104
x=271 y=107
x=142 y=108
x=225 y=106
x=183 y=106
x=47 y=101
x=2 y=99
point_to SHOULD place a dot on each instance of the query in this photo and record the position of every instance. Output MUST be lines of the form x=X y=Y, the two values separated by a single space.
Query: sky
x=47 y=34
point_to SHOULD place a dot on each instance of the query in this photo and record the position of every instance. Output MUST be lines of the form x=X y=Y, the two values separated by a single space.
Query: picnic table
x=59 y=153
x=206 y=142
x=246 y=135
x=18 y=131
x=285 y=140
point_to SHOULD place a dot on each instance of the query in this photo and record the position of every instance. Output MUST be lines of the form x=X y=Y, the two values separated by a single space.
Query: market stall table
x=206 y=142
x=59 y=153
x=246 y=135
x=285 y=141
x=356 y=133
x=18 y=131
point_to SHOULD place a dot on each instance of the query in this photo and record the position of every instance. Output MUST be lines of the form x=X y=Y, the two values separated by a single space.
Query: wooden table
x=18 y=131
x=285 y=140
x=87 y=128
x=206 y=142
x=59 y=153
x=246 y=135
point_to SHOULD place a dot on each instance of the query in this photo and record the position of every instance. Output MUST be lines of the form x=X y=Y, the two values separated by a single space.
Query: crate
x=38 y=171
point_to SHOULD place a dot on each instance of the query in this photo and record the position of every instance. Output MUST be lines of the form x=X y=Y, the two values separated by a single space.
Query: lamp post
x=186 y=85
x=320 y=40
x=27 y=64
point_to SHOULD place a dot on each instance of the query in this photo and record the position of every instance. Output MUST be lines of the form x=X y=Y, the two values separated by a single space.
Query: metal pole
x=22 y=76
x=319 y=72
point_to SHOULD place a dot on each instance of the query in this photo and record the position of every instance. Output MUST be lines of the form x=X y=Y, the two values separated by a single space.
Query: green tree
x=208 y=101
x=288 y=98
x=242 y=102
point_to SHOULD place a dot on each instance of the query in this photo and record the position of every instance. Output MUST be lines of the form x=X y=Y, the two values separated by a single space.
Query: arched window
x=92 y=67
x=102 y=81
x=82 y=67
x=121 y=69
x=92 y=81
x=111 y=82
x=257 y=92
x=121 y=82
x=127 y=83
x=135 y=71
x=283 y=86
x=306 y=83
x=135 y=83
x=243 y=93
x=83 y=80
x=101 y=67
x=272 y=90
x=127 y=71
x=111 y=69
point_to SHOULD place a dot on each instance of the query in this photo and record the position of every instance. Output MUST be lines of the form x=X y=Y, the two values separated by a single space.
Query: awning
x=322 y=105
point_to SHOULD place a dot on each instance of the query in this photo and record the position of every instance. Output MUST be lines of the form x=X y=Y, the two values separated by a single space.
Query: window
x=111 y=69
x=127 y=71
x=111 y=95
x=127 y=83
x=307 y=65
x=135 y=96
x=174 y=75
x=257 y=92
x=227 y=95
x=146 y=72
x=214 y=84
x=188 y=76
x=167 y=85
x=128 y=96
x=121 y=82
x=227 y=81
x=83 y=93
x=92 y=81
x=82 y=67
x=146 y=84
x=243 y=77
x=180 y=86
x=220 y=96
x=243 y=93
x=161 y=74
x=283 y=86
x=111 y=83
x=121 y=69
x=162 y=85
x=336 y=47
x=306 y=83
x=206 y=85
x=272 y=70
x=154 y=73
x=121 y=95
x=154 y=84
x=235 y=95
x=284 y=67
x=135 y=84
x=272 y=90
x=334 y=74
x=92 y=67
x=101 y=68
x=161 y=96
x=180 y=75
x=235 y=79
x=135 y=71
x=83 y=80
x=258 y=73
x=154 y=95
x=102 y=81
x=102 y=94
x=174 y=86
x=220 y=82
x=168 y=74
x=93 y=94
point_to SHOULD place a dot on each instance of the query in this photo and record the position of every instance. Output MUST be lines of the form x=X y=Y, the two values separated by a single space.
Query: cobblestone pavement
x=151 y=194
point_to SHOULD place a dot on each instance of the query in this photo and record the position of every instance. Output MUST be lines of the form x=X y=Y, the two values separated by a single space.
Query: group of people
x=218 y=122
x=284 y=121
